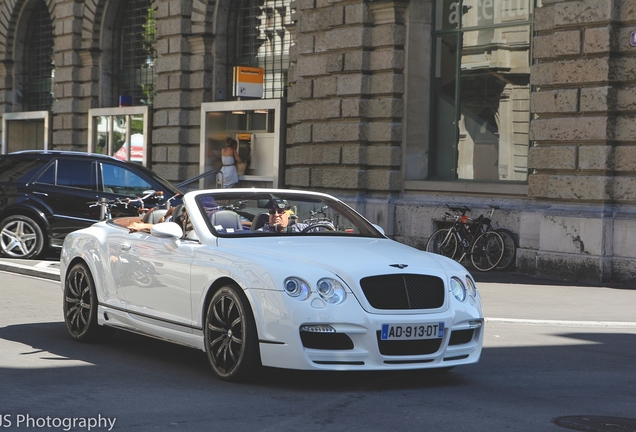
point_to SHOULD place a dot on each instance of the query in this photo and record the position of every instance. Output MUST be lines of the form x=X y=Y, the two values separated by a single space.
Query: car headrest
x=259 y=220
x=226 y=219
x=154 y=215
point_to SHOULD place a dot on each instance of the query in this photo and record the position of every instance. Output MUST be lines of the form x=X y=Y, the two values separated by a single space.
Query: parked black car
x=44 y=195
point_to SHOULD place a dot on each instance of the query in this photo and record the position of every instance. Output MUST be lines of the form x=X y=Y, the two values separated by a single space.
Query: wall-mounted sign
x=248 y=82
x=632 y=38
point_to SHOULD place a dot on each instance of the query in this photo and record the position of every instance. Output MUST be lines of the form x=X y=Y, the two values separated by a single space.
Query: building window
x=38 y=68
x=263 y=41
x=136 y=42
x=481 y=90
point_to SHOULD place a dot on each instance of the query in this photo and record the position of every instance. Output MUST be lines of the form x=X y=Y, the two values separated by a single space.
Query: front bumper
x=356 y=344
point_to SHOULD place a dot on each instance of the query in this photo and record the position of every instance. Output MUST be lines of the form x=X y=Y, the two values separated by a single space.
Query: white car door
x=154 y=277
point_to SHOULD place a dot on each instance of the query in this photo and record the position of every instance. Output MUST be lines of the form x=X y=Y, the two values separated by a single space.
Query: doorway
x=25 y=131
x=256 y=126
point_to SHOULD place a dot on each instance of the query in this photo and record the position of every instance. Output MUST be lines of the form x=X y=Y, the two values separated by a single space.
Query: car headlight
x=457 y=288
x=331 y=290
x=297 y=288
x=470 y=284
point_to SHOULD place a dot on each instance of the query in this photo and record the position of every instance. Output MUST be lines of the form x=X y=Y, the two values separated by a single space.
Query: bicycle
x=107 y=205
x=485 y=249
x=319 y=221
x=508 y=237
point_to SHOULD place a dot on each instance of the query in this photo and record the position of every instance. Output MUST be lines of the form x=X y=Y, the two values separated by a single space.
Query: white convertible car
x=279 y=278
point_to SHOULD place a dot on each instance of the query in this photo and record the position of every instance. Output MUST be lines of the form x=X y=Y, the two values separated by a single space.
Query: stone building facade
x=369 y=101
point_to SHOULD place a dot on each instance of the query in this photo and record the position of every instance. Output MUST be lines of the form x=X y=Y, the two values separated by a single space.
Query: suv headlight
x=457 y=288
x=331 y=290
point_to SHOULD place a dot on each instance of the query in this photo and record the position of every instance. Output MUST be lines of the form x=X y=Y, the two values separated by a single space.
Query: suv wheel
x=20 y=237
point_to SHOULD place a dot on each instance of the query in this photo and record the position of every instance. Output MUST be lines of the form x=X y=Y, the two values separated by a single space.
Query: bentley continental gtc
x=277 y=278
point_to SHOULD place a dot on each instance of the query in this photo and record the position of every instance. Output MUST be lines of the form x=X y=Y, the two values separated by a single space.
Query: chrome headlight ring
x=331 y=291
x=457 y=288
x=471 y=287
x=297 y=288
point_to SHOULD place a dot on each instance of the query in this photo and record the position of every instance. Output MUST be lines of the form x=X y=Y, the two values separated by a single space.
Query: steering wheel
x=326 y=225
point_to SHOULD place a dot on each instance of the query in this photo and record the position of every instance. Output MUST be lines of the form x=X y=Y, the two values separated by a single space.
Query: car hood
x=350 y=258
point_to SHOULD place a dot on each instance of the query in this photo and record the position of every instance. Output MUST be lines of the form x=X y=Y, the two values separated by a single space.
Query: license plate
x=412 y=331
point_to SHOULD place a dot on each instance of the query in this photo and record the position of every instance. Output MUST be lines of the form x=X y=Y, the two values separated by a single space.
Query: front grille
x=326 y=341
x=459 y=337
x=408 y=347
x=408 y=291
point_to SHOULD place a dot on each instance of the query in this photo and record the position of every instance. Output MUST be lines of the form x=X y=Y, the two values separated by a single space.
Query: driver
x=279 y=212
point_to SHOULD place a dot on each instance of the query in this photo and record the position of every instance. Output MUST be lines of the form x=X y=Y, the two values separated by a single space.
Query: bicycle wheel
x=510 y=249
x=442 y=242
x=487 y=251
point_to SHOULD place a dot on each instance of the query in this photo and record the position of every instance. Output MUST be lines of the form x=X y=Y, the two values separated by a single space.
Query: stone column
x=70 y=117
x=584 y=130
x=345 y=103
x=184 y=65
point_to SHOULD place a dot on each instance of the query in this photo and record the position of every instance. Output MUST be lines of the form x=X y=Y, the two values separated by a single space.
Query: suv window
x=73 y=173
x=123 y=181
x=18 y=170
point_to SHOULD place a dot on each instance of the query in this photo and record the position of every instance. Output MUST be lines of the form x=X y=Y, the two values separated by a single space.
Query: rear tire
x=508 y=260
x=442 y=242
x=20 y=237
x=80 y=306
x=487 y=251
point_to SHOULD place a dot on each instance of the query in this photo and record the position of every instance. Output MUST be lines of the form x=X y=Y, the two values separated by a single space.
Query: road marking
x=564 y=323
x=47 y=264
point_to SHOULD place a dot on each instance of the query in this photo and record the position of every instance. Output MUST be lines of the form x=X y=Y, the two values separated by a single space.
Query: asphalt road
x=552 y=354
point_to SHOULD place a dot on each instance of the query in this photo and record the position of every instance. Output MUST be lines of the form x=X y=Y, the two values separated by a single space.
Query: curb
x=38 y=270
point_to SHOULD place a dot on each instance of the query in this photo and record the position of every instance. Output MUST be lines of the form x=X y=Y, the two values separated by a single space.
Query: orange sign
x=248 y=81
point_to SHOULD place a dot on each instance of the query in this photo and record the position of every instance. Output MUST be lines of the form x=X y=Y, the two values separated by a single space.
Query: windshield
x=280 y=213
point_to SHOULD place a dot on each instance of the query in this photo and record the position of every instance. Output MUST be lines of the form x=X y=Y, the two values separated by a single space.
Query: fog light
x=317 y=328
x=474 y=324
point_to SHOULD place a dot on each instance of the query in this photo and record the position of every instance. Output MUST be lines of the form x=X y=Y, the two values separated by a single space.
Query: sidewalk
x=37 y=268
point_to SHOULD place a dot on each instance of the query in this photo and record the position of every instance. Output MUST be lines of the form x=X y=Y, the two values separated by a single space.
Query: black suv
x=44 y=195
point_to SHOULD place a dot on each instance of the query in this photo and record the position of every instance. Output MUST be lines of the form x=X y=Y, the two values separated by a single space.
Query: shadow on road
x=123 y=357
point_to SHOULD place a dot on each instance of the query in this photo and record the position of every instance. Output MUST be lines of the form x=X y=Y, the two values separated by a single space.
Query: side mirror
x=167 y=230
x=379 y=228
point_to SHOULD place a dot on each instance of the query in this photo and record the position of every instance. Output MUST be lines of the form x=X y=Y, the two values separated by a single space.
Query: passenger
x=279 y=213
x=145 y=227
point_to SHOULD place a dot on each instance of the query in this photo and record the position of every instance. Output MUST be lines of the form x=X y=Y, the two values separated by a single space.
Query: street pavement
x=555 y=354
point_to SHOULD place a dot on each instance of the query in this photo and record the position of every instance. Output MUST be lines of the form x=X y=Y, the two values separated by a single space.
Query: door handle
x=40 y=193
x=124 y=247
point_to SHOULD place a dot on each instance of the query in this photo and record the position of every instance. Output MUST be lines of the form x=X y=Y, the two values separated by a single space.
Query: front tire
x=80 y=306
x=443 y=242
x=20 y=237
x=231 y=339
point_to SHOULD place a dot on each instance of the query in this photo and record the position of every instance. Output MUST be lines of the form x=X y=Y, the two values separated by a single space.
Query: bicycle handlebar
x=461 y=210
